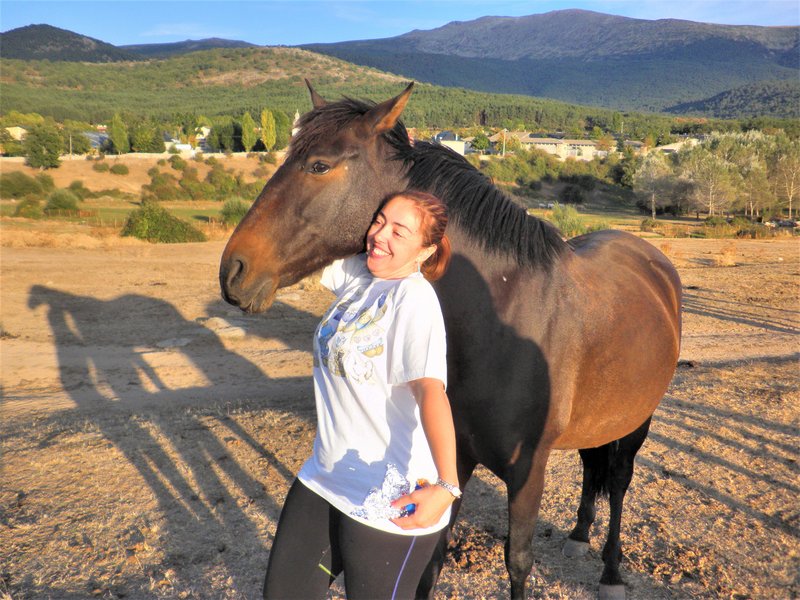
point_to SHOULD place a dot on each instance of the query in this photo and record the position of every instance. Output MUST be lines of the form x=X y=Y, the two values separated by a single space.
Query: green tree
x=43 y=146
x=118 y=134
x=268 y=129
x=652 y=180
x=480 y=142
x=10 y=146
x=249 y=137
x=711 y=177
x=146 y=137
x=283 y=129
x=786 y=171
x=75 y=142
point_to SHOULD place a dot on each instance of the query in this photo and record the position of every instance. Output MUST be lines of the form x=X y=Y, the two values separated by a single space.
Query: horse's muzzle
x=241 y=287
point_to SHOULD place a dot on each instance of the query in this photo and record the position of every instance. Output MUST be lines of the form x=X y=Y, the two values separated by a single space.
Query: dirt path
x=149 y=434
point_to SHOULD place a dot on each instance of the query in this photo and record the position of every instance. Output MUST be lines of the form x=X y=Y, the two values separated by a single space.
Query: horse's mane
x=483 y=211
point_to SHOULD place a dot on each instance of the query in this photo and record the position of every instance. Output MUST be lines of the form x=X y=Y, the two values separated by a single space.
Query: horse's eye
x=319 y=168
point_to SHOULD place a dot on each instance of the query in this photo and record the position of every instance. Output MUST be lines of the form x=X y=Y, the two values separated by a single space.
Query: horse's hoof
x=611 y=592
x=574 y=548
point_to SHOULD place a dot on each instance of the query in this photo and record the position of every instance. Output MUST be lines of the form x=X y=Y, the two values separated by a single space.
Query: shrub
x=223 y=181
x=740 y=222
x=198 y=157
x=46 y=182
x=119 y=169
x=197 y=190
x=17 y=184
x=715 y=221
x=162 y=162
x=567 y=220
x=756 y=231
x=234 y=211
x=162 y=186
x=30 y=208
x=177 y=162
x=173 y=150
x=154 y=223
x=77 y=188
x=572 y=194
x=648 y=224
x=61 y=200
x=268 y=157
x=101 y=167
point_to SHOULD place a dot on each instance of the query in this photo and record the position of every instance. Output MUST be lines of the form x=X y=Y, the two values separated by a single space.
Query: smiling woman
x=363 y=504
x=407 y=235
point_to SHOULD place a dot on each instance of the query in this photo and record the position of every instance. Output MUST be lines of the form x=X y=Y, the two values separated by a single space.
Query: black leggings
x=315 y=542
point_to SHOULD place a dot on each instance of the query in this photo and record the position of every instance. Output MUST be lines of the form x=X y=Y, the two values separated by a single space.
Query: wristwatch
x=449 y=487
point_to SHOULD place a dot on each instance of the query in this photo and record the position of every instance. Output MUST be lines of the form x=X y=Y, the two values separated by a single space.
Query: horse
x=553 y=344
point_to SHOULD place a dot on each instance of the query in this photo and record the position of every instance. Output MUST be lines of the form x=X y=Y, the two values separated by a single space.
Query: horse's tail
x=603 y=463
x=597 y=469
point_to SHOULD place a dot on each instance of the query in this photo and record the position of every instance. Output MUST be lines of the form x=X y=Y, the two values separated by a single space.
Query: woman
x=378 y=487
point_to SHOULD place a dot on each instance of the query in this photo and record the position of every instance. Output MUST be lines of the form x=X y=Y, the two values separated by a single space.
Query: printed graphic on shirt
x=350 y=336
x=378 y=503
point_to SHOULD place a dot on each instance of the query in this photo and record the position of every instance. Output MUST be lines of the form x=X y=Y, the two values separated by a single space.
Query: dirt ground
x=149 y=433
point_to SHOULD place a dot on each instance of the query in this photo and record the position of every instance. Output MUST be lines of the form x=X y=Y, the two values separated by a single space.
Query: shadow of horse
x=108 y=365
x=715 y=305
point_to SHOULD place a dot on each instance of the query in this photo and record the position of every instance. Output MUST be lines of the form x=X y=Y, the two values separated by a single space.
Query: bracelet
x=454 y=491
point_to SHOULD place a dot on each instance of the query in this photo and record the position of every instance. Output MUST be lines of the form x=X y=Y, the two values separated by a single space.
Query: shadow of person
x=112 y=357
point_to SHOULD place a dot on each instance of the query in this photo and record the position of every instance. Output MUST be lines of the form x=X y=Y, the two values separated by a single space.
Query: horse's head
x=319 y=203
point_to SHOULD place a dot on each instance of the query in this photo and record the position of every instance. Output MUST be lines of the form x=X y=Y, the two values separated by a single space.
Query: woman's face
x=395 y=242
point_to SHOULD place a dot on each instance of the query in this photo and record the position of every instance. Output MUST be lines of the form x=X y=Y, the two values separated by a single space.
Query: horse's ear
x=385 y=115
x=317 y=100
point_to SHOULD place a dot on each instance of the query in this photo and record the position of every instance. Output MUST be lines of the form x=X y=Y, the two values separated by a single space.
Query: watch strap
x=453 y=489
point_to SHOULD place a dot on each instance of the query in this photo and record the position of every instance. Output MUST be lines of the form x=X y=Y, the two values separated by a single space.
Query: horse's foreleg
x=524 y=498
x=427 y=582
x=620 y=475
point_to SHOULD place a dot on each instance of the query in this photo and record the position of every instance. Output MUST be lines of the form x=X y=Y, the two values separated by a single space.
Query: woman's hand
x=431 y=503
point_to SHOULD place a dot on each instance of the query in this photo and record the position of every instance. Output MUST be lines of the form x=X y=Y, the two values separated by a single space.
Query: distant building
x=17 y=133
x=677 y=146
x=450 y=140
x=561 y=148
x=295 y=127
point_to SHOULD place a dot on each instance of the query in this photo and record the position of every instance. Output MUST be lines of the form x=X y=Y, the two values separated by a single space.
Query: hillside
x=231 y=81
x=777 y=98
x=44 y=42
x=586 y=57
x=177 y=48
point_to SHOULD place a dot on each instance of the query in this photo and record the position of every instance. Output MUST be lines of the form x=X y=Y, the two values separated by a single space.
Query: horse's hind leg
x=595 y=472
x=621 y=457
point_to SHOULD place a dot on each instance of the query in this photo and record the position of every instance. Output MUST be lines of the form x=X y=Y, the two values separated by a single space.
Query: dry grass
x=726 y=256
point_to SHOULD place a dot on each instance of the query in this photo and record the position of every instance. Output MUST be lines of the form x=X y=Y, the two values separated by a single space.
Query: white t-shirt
x=376 y=337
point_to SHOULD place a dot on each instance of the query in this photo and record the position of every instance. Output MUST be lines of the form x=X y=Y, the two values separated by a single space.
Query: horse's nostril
x=236 y=270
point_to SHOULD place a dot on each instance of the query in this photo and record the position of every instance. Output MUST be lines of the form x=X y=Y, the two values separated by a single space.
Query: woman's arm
x=437 y=422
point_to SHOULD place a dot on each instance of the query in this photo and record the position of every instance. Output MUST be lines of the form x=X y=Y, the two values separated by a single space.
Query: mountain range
x=587 y=57
x=575 y=56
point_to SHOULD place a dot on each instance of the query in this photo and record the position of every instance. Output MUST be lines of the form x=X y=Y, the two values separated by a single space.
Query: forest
x=230 y=82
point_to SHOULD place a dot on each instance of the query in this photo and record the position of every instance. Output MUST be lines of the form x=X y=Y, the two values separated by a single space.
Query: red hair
x=434 y=222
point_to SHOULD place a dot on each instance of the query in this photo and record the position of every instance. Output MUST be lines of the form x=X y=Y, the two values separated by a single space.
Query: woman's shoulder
x=416 y=287
x=340 y=274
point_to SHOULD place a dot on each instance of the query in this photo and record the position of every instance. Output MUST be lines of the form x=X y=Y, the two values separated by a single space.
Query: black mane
x=480 y=209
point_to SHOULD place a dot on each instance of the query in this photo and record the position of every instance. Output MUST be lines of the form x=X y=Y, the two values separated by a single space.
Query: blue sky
x=292 y=22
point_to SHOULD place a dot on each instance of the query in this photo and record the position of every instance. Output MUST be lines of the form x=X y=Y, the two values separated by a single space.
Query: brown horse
x=552 y=344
